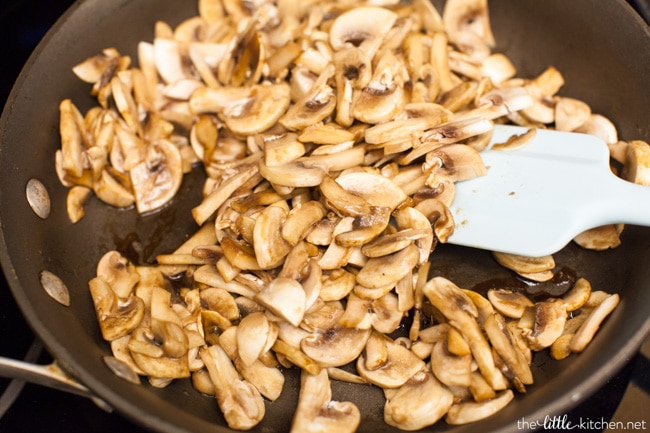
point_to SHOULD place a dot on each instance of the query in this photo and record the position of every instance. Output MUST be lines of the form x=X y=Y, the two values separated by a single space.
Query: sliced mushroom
x=337 y=284
x=150 y=357
x=314 y=106
x=509 y=303
x=384 y=97
x=72 y=140
x=157 y=179
x=239 y=401
x=451 y=370
x=637 y=165
x=300 y=220
x=118 y=272
x=252 y=334
x=116 y=317
x=601 y=127
x=464 y=413
x=376 y=189
x=388 y=270
x=550 y=317
x=495 y=328
x=268 y=243
x=586 y=332
x=246 y=111
x=527 y=266
x=467 y=23
x=419 y=403
x=317 y=413
x=362 y=27
x=578 y=295
x=335 y=347
x=282 y=149
x=77 y=196
x=461 y=313
x=600 y=238
x=353 y=71
x=570 y=114
x=286 y=298
x=399 y=366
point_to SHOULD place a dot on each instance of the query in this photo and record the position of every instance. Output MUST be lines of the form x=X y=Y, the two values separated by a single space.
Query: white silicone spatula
x=535 y=200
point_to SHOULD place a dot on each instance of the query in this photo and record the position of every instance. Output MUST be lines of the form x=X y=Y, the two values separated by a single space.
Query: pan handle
x=50 y=375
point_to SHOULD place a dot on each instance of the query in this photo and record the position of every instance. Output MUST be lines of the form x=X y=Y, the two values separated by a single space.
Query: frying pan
x=602 y=49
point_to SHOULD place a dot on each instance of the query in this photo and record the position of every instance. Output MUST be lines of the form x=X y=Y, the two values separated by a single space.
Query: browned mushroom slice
x=388 y=270
x=146 y=347
x=637 y=165
x=77 y=196
x=286 y=298
x=301 y=219
x=282 y=149
x=578 y=295
x=376 y=189
x=220 y=194
x=457 y=161
x=384 y=97
x=509 y=303
x=118 y=272
x=245 y=110
x=549 y=319
x=353 y=71
x=72 y=138
x=414 y=219
x=293 y=174
x=398 y=366
x=419 y=403
x=365 y=228
x=587 y=330
x=570 y=114
x=464 y=413
x=240 y=402
x=516 y=141
x=157 y=179
x=314 y=106
x=601 y=127
x=116 y=317
x=335 y=347
x=459 y=310
x=600 y=238
x=363 y=27
x=317 y=413
x=252 y=335
x=440 y=217
x=337 y=284
x=450 y=369
x=268 y=243
x=536 y=268
x=510 y=354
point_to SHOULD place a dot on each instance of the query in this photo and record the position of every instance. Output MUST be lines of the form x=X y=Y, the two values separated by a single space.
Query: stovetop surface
x=37 y=409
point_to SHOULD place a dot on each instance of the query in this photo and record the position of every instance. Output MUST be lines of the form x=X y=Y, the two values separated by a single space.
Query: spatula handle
x=629 y=203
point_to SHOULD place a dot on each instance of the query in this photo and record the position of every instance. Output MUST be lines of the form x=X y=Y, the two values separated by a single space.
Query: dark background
x=36 y=409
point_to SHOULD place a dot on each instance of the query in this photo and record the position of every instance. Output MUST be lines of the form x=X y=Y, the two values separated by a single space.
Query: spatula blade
x=534 y=200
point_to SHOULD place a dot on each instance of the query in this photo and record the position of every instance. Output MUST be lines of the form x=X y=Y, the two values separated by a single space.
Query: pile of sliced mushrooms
x=332 y=134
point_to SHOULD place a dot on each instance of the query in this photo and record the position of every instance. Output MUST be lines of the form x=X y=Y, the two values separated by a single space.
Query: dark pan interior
x=602 y=49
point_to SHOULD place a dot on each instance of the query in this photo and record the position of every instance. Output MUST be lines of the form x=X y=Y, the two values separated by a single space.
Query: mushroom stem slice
x=241 y=403
x=589 y=327
x=461 y=313
x=317 y=413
